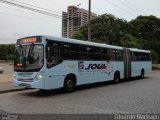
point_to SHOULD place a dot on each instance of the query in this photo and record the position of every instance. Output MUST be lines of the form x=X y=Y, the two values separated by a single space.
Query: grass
x=156 y=66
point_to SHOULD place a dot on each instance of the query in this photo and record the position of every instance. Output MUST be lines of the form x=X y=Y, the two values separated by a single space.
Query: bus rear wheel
x=69 y=85
x=116 y=77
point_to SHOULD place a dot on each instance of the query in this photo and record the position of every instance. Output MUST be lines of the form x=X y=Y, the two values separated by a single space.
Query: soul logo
x=98 y=66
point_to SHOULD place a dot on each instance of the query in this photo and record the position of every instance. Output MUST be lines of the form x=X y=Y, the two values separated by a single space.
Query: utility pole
x=89 y=21
x=79 y=17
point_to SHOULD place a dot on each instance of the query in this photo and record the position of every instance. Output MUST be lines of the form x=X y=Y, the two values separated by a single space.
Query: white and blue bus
x=46 y=62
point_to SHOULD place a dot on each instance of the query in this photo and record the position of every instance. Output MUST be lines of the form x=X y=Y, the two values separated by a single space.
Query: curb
x=12 y=90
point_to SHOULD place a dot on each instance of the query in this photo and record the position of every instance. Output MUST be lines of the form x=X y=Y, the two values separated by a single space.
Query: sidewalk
x=6 y=84
x=8 y=87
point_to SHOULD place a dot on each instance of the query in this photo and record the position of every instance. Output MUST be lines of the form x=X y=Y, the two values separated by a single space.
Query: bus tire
x=69 y=84
x=116 y=77
x=142 y=74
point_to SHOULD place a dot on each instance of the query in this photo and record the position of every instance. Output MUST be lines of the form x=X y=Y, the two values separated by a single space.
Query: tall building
x=73 y=19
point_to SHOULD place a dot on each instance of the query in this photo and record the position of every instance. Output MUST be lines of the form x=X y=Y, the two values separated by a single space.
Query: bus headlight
x=40 y=76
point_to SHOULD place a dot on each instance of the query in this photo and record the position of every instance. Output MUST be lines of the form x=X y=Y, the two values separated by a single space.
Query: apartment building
x=73 y=19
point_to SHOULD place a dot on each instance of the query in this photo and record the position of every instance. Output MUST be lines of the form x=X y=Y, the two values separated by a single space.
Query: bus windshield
x=29 y=57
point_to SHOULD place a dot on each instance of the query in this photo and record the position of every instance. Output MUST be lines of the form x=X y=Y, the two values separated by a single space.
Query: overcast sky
x=17 y=22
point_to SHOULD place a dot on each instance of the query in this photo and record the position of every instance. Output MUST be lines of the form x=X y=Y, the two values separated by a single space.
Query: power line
x=32 y=18
x=136 y=8
x=25 y=15
x=36 y=6
x=130 y=7
x=30 y=8
x=117 y=6
x=15 y=9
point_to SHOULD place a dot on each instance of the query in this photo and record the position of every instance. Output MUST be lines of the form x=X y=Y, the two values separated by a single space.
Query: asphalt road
x=133 y=96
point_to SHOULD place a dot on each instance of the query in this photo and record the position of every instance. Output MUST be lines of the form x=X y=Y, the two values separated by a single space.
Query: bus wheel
x=116 y=77
x=69 y=85
x=142 y=74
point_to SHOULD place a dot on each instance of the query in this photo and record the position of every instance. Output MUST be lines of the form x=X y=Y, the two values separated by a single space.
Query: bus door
x=127 y=63
x=54 y=56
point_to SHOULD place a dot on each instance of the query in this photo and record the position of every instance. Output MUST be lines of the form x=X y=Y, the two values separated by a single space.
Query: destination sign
x=29 y=40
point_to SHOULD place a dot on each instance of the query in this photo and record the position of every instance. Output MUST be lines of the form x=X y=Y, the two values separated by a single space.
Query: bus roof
x=75 y=41
x=139 y=50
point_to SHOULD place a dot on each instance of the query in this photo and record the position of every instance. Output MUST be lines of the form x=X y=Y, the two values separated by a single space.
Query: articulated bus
x=46 y=62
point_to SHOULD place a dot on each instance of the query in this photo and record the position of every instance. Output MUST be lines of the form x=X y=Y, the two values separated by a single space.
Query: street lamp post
x=89 y=21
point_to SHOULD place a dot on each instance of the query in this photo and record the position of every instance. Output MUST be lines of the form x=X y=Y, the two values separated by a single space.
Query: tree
x=131 y=42
x=82 y=34
x=155 y=56
x=107 y=29
x=147 y=28
x=7 y=52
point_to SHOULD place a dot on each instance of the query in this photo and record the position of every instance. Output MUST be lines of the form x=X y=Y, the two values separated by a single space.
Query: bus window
x=119 y=55
x=106 y=54
x=98 y=53
x=133 y=56
x=71 y=51
x=112 y=54
x=83 y=52
x=54 y=53
x=91 y=55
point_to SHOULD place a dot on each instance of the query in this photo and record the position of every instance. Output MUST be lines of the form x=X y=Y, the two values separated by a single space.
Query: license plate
x=25 y=85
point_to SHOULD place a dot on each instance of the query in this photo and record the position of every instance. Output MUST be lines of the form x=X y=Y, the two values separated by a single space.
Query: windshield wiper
x=31 y=48
x=30 y=56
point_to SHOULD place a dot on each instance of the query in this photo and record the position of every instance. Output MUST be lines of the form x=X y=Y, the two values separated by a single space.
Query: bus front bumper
x=39 y=84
